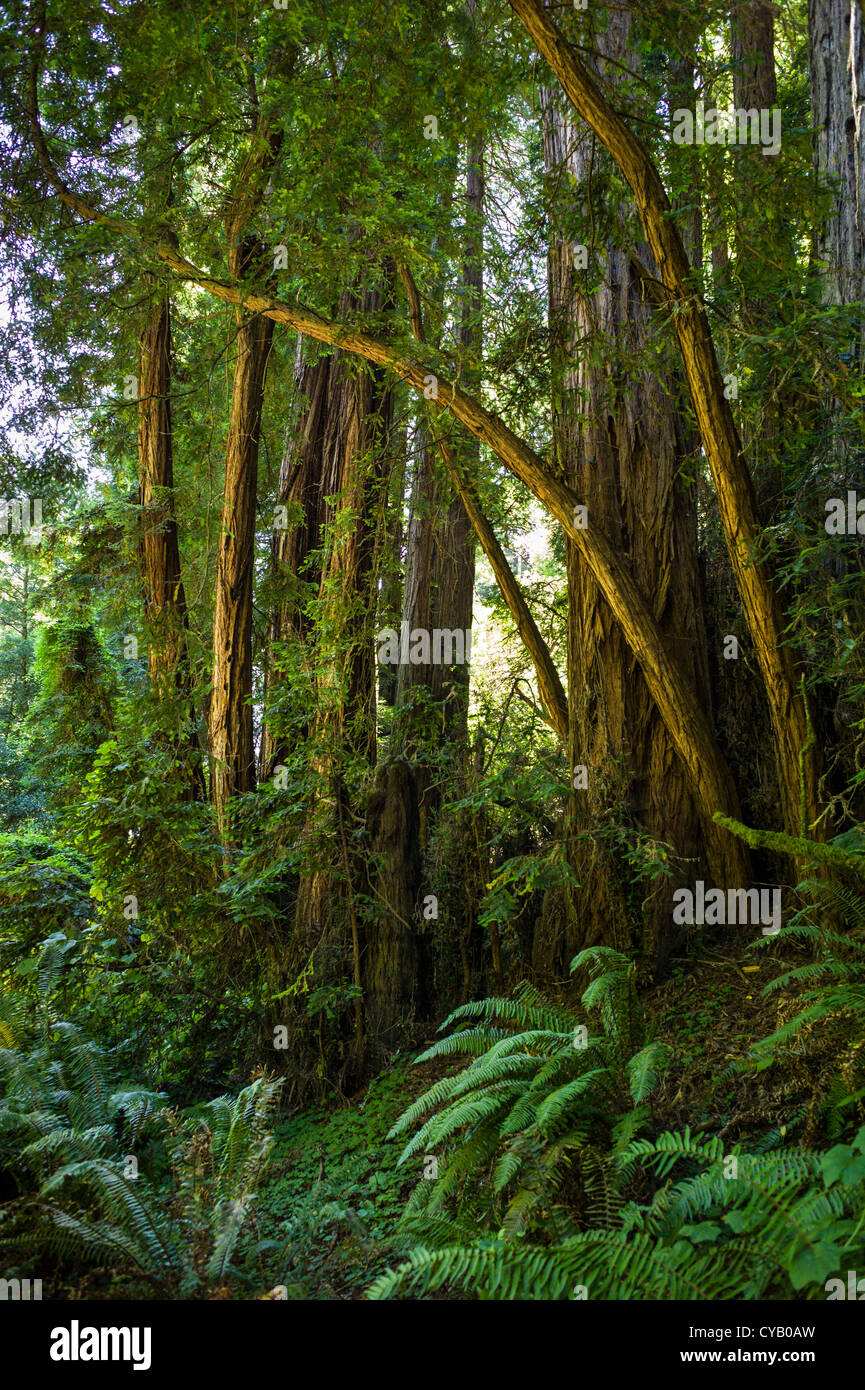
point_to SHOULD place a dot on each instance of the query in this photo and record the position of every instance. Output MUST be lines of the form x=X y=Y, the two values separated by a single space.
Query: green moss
x=834 y=854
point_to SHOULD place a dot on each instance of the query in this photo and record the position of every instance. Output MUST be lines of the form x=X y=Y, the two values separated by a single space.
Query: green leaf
x=843 y=1162
x=813 y=1263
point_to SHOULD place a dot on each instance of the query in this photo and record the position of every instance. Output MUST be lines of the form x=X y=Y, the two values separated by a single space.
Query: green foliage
x=539 y=1106
x=328 y=1216
x=735 y=1225
x=60 y=1103
x=831 y=1009
x=88 y=1144
x=520 y=876
x=189 y=1241
x=144 y=956
x=74 y=710
x=44 y=887
x=729 y=1224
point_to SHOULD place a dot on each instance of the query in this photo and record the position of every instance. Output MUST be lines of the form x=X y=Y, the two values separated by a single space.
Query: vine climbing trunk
x=328 y=925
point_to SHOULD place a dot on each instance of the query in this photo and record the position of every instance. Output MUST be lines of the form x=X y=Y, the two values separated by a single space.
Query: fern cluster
x=833 y=1004
x=731 y=1226
x=540 y=1106
x=76 y=1143
x=183 y=1242
x=676 y=1216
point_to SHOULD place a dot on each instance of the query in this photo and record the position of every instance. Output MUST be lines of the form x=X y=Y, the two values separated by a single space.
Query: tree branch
x=676 y=700
x=732 y=481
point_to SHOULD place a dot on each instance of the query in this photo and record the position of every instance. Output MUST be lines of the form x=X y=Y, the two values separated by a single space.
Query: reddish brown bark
x=159 y=550
x=294 y=548
x=622 y=442
x=733 y=484
x=230 y=716
x=356 y=457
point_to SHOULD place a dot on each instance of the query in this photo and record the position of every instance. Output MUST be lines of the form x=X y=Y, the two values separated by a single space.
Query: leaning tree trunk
x=622 y=443
x=798 y=759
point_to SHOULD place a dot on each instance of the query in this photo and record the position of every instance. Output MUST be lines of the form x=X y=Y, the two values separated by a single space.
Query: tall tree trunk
x=797 y=758
x=764 y=267
x=232 y=752
x=454 y=550
x=837 y=71
x=432 y=699
x=424 y=521
x=837 y=62
x=752 y=49
x=294 y=548
x=328 y=927
x=764 y=279
x=165 y=600
x=622 y=444
x=390 y=604
x=165 y=608
x=231 y=743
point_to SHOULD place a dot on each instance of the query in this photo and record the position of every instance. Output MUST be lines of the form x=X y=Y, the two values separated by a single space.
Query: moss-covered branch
x=798 y=846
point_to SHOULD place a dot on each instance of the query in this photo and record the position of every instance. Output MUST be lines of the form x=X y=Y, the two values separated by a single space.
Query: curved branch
x=549 y=682
x=731 y=478
x=675 y=698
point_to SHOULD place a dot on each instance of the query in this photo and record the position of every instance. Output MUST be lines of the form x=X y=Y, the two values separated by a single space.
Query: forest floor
x=711 y=1011
x=334 y=1192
